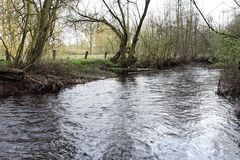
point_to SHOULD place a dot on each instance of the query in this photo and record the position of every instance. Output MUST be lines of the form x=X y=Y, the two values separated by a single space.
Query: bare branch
x=237 y=3
x=5 y=46
x=112 y=13
x=209 y=25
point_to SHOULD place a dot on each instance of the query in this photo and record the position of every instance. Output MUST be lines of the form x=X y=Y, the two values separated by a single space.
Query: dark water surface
x=173 y=114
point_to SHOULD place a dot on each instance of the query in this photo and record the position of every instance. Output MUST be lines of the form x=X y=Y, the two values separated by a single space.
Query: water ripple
x=173 y=114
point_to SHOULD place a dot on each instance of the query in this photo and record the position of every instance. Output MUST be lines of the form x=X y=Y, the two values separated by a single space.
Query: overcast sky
x=220 y=10
x=214 y=8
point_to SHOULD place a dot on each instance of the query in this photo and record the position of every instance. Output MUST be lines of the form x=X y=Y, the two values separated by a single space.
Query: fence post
x=86 y=55
x=105 y=56
x=54 y=54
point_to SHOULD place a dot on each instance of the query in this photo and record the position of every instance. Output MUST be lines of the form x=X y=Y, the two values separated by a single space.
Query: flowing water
x=174 y=114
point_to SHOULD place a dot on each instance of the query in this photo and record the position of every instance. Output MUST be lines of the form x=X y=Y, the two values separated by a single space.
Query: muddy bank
x=229 y=83
x=49 y=78
x=39 y=84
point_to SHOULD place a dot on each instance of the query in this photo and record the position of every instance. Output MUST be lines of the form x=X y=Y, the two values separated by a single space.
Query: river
x=174 y=115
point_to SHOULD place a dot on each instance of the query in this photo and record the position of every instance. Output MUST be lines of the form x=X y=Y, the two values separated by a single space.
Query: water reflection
x=173 y=114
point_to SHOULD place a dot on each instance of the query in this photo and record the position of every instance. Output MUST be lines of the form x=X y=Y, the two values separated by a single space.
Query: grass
x=72 y=57
x=76 y=65
x=94 y=66
x=92 y=62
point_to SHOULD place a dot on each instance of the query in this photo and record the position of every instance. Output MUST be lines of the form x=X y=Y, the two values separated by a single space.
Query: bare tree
x=27 y=28
x=175 y=36
x=116 y=17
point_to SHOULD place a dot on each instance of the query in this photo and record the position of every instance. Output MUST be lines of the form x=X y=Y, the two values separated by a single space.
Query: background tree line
x=130 y=32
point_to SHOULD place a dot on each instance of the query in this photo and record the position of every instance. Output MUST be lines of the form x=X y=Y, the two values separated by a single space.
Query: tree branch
x=112 y=13
x=5 y=46
x=237 y=3
x=209 y=25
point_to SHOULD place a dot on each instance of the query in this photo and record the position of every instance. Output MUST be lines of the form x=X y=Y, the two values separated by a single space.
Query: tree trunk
x=10 y=74
x=135 y=37
x=121 y=53
x=41 y=36
x=7 y=57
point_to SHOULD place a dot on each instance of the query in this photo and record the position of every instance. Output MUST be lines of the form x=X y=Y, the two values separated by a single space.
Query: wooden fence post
x=86 y=55
x=105 y=56
x=54 y=54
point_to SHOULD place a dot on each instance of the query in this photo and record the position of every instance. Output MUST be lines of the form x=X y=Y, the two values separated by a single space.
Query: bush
x=228 y=50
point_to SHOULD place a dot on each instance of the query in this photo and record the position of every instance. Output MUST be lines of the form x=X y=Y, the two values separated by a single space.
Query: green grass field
x=72 y=57
x=94 y=65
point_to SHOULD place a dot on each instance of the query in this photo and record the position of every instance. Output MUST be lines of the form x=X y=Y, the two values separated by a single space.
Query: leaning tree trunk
x=135 y=37
x=121 y=53
x=41 y=34
x=10 y=74
x=131 y=59
x=122 y=57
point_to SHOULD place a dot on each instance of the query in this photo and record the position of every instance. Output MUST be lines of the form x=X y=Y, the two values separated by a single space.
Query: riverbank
x=229 y=83
x=229 y=80
x=51 y=77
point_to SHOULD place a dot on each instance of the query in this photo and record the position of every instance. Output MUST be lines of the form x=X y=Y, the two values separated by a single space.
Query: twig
x=36 y=81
